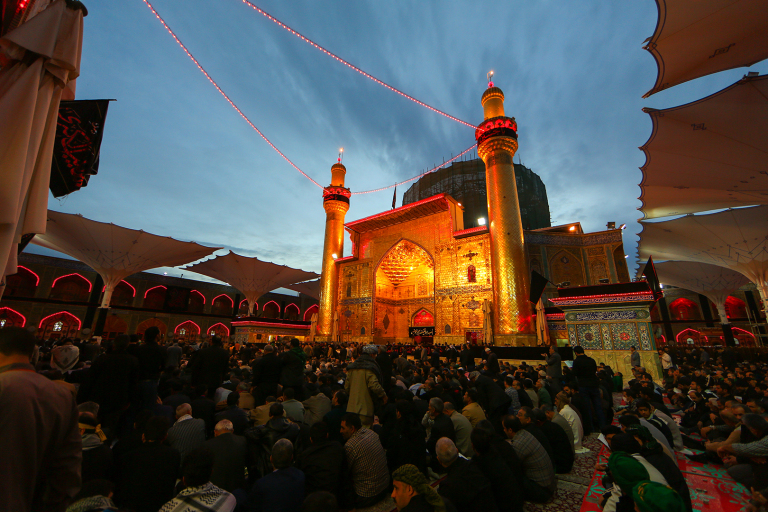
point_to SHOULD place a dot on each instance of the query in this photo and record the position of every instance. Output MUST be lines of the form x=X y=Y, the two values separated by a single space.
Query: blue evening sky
x=178 y=161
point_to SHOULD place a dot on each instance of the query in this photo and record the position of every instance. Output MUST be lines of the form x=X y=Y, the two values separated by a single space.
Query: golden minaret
x=496 y=145
x=336 y=205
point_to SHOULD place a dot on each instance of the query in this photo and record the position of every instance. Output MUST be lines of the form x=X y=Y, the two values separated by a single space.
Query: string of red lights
x=352 y=66
x=232 y=103
x=250 y=123
x=473 y=146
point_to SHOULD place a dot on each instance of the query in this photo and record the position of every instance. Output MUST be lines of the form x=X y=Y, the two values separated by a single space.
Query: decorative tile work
x=605 y=237
x=592 y=316
x=645 y=339
x=359 y=300
x=556 y=327
x=589 y=335
x=463 y=290
x=606 y=336
x=624 y=335
x=572 y=337
x=602 y=299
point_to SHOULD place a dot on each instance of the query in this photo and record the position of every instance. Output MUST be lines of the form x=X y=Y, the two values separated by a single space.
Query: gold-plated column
x=497 y=144
x=336 y=205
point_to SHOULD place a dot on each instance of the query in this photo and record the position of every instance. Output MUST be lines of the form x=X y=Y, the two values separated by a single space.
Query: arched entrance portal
x=405 y=284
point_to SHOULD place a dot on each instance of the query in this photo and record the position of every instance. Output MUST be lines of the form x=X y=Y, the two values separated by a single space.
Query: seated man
x=563 y=454
x=322 y=461
x=230 y=457
x=509 y=498
x=412 y=492
x=235 y=414
x=465 y=486
x=283 y=489
x=278 y=427
x=294 y=409
x=366 y=462
x=645 y=410
x=539 y=483
x=188 y=433
x=148 y=474
x=441 y=426
x=260 y=415
x=199 y=493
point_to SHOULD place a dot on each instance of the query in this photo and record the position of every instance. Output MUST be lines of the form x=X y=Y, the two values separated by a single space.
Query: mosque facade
x=418 y=270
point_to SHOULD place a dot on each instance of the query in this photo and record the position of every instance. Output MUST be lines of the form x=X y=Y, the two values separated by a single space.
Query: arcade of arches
x=58 y=296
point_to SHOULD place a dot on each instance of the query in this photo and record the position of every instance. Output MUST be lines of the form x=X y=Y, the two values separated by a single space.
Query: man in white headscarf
x=363 y=384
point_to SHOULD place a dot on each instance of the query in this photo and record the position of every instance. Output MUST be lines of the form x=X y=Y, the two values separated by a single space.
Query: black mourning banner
x=421 y=331
x=538 y=283
x=76 y=148
x=176 y=298
x=651 y=277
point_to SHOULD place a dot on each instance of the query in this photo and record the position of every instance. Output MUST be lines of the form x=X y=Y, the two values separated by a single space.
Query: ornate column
x=336 y=205
x=496 y=145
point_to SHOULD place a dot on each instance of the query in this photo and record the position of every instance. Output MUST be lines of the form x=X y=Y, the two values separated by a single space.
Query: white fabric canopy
x=251 y=276
x=709 y=154
x=113 y=251
x=736 y=239
x=694 y=39
x=44 y=57
x=311 y=288
x=714 y=282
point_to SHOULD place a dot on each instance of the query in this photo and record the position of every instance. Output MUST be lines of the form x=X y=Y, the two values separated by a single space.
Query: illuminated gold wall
x=366 y=295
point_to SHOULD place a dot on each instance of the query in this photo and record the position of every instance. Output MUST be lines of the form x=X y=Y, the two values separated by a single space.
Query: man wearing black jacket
x=322 y=462
x=210 y=365
x=491 y=398
x=585 y=370
x=266 y=373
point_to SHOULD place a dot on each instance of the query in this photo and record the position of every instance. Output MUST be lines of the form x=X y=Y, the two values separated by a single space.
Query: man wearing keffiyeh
x=412 y=492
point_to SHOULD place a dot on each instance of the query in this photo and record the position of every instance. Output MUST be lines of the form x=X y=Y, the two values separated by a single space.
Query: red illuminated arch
x=270 y=310
x=154 y=288
x=692 y=334
x=231 y=302
x=21 y=284
x=90 y=285
x=133 y=290
x=735 y=308
x=745 y=338
x=200 y=294
x=37 y=277
x=314 y=308
x=189 y=327
x=218 y=329
x=291 y=312
x=684 y=309
x=61 y=324
x=423 y=318
x=12 y=318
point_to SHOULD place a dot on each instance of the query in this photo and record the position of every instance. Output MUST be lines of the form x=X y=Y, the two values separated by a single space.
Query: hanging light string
x=232 y=103
x=352 y=66
x=250 y=123
x=473 y=146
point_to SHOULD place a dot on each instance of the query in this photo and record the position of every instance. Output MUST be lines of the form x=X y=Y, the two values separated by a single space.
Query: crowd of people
x=140 y=425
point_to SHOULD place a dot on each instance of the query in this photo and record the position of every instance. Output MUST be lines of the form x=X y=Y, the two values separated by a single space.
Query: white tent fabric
x=695 y=39
x=251 y=276
x=113 y=251
x=43 y=57
x=487 y=324
x=311 y=288
x=714 y=282
x=542 y=329
x=313 y=327
x=709 y=154
x=736 y=239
